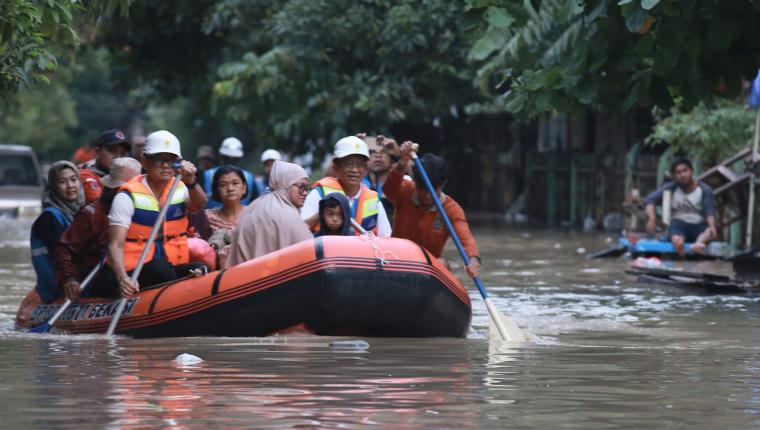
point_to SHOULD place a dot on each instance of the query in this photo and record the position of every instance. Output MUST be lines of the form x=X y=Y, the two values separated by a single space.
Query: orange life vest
x=364 y=210
x=174 y=237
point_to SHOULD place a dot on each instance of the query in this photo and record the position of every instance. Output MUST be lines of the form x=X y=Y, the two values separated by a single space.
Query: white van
x=21 y=183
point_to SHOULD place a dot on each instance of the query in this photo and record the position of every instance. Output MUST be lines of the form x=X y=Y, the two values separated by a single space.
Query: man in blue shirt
x=230 y=153
x=692 y=209
x=268 y=158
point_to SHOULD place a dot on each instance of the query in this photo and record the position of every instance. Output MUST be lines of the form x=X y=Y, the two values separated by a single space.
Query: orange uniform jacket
x=91 y=184
x=425 y=228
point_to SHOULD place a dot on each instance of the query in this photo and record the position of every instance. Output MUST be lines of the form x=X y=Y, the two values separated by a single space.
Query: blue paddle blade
x=754 y=95
x=42 y=328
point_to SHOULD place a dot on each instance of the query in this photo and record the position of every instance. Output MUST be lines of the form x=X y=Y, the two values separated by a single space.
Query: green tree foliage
x=707 y=133
x=26 y=29
x=307 y=70
x=564 y=55
x=72 y=110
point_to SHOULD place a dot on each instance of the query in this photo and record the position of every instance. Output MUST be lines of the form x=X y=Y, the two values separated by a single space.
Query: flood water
x=609 y=353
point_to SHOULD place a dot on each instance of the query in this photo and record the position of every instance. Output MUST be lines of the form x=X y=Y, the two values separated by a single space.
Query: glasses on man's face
x=159 y=161
x=354 y=165
x=303 y=188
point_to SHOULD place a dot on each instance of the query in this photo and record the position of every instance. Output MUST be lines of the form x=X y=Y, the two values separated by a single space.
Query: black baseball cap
x=112 y=138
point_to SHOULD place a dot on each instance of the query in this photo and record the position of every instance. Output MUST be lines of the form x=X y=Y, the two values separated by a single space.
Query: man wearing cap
x=268 y=158
x=205 y=157
x=692 y=206
x=83 y=243
x=230 y=152
x=350 y=166
x=380 y=162
x=135 y=209
x=110 y=145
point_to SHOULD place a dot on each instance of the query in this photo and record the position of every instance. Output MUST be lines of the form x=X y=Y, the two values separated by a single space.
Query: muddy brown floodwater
x=609 y=353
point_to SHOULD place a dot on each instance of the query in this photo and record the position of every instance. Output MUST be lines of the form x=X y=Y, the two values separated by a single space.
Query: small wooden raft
x=707 y=283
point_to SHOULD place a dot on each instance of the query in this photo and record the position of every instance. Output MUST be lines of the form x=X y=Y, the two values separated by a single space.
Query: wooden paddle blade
x=502 y=327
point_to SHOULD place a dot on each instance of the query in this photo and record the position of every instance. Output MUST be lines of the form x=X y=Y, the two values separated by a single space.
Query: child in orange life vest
x=334 y=216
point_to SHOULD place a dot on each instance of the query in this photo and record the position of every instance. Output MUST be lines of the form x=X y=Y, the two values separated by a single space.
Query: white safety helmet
x=162 y=141
x=271 y=154
x=231 y=147
x=351 y=145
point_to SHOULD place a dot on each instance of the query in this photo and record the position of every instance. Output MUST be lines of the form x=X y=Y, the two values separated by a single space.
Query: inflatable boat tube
x=332 y=285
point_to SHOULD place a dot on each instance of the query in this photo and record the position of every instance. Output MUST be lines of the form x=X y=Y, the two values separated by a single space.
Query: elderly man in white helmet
x=230 y=153
x=268 y=158
x=350 y=166
x=136 y=207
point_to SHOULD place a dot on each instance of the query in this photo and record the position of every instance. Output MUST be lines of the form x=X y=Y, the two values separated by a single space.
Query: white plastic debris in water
x=581 y=250
x=557 y=246
x=349 y=344
x=187 y=360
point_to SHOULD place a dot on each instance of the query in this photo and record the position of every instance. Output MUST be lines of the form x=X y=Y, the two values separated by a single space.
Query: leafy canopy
x=566 y=55
x=320 y=69
x=707 y=133
x=28 y=26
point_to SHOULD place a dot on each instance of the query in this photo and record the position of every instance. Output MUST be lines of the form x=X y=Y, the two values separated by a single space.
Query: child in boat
x=334 y=213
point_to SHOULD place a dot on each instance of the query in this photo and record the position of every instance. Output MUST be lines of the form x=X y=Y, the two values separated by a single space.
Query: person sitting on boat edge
x=334 y=218
x=417 y=217
x=230 y=153
x=350 y=166
x=111 y=144
x=272 y=222
x=83 y=243
x=134 y=212
x=692 y=209
x=63 y=198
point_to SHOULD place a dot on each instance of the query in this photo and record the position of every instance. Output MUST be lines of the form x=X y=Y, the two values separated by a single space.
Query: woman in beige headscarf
x=272 y=221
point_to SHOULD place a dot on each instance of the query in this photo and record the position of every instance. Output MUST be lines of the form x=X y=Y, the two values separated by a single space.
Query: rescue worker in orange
x=110 y=145
x=416 y=217
x=350 y=166
x=134 y=211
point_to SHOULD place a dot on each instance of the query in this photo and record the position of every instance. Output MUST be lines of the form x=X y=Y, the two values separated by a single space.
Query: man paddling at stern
x=692 y=206
x=417 y=217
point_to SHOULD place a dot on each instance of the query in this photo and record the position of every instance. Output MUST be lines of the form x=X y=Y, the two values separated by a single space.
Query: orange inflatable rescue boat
x=332 y=285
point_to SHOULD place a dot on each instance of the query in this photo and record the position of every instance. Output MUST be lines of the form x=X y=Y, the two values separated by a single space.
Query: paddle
x=46 y=326
x=506 y=328
x=358 y=227
x=613 y=251
x=754 y=103
x=148 y=244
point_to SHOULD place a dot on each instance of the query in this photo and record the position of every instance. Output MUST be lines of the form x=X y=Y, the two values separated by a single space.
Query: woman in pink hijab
x=272 y=221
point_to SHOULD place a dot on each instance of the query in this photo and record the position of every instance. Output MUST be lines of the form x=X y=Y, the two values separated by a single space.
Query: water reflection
x=296 y=383
x=610 y=353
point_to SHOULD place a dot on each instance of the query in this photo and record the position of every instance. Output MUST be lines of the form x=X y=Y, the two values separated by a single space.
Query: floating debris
x=349 y=344
x=187 y=359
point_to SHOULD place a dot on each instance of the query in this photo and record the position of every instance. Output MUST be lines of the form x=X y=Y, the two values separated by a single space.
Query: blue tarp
x=754 y=95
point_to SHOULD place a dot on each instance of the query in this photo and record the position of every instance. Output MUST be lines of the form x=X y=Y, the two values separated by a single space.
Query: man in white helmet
x=230 y=153
x=350 y=166
x=135 y=209
x=268 y=158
